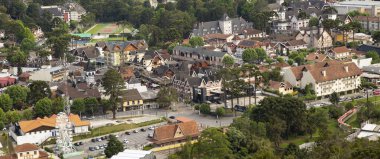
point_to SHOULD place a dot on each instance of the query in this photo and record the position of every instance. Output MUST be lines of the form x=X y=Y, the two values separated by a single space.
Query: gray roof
x=199 y=51
x=55 y=11
x=372 y=69
x=212 y=27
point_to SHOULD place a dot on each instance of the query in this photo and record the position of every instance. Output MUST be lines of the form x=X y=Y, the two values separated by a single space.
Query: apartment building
x=325 y=77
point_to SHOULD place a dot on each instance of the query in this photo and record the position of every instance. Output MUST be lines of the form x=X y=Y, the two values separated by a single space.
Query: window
x=35 y=152
x=20 y=154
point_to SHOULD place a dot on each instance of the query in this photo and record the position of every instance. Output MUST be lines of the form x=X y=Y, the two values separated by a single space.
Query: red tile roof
x=342 y=49
x=25 y=147
x=166 y=133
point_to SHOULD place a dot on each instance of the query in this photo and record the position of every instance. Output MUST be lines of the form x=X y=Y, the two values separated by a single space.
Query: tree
x=58 y=105
x=249 y=55
x=329 y=24
x=355 y=13
x=374 y=55
x=166 y=96
x=261 y=54
x=316 y=119
x=78 y=106
x=114 y=146
x=171 y=47
x=313 y=22
x=334 y=98
x=355 y=26
x=27 y=114
x=205 y=108
x=196 y=41
x=59 y=39
x=12 y=116
x=212 y=144
x=17 y=93
x=220 y=111
x=91 y=105
x=376 y=36
x=3 y=119
x=39 y=90
x=303 y=15
x=43 y=108
x=228 y=61
x=349 y=106
x=113 y=83
x=27 y=45
x=16 y=57
x=275 y=128
x=5 y=102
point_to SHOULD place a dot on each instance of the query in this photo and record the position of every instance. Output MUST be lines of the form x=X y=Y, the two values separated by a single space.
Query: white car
x=126 y=141
x=151 y=128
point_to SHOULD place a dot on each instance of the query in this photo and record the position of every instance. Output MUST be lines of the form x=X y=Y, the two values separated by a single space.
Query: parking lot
x=134 y=141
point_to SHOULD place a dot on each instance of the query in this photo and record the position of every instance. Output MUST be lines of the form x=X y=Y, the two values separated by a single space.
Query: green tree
x=43 y=108
x=374 y=55
x=5 y=102
x=59 y=40
x=113 y=83
x=91 y=105
x=212 y=144
x=114 y=146
x=205 y=108
x=220 y=111
x=228 y=61
x=16 y=57
x=376 y=36
x=78 y=106
x=349 y=106
x=249 y=55
x=27 y=114
x=166 y=96
x=196 y=41
x=58 y=105
x=313 y=22
x=17 y=93
x=39 y=90
x=171 y=47
x=334 y=98
x=303 y=15
x=13 y=116
x=261 y=54
x=275 y=128
x=27 y=45
x=316 y=119
x=3 y=119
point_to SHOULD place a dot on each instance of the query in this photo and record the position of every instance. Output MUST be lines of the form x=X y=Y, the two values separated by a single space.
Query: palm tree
x=251 y=71
x=355 y=26
x=123 y=23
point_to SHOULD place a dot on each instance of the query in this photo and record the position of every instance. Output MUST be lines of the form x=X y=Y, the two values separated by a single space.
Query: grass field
x=108 y=28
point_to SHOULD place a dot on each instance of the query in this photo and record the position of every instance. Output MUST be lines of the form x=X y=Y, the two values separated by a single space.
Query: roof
x=131 y=154
x=183 y=119
x=333 y=70
x=166 y=133
x=249 y=44
x=132 y=95
x=76 y=92
x=250 y=31
x=89 y=51
x=296 y=43
x=43 y=155
x=25 y=147
x=342 y=49
x=217 y=36
x=366 y=48
x=199 y=51
x=30 y=125
x=276 y=85
x=316 y=57
x=367 y=18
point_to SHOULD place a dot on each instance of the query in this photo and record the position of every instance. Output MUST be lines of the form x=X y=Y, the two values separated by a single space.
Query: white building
x=325 y=77
x=370 y=7
x=134 y=154
x=369 y=131
x=38 y=130
x=362 y=62
x=48 y=74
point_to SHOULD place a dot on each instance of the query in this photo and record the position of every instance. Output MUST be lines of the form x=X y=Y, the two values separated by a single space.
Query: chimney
x=346 y=68
x=324 y=73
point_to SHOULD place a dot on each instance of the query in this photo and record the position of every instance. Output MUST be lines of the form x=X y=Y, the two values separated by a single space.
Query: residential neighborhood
x=189 y=79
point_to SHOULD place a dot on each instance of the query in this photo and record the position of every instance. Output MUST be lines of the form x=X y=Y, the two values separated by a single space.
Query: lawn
x=108 y=28
x=115 y=128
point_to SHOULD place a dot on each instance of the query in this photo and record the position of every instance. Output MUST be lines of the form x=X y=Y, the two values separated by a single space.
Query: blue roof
x=366 y=48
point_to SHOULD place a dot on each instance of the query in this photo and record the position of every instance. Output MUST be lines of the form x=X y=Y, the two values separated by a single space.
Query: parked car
x=93 y=140
x=150 y=135
x=376 y=92
x=91 y=148
x=97 y=148
x=135 y=131
x=172 y=117
x=151 y=128
x=218 y=102
x=142 y=130
x=126 y=141
x=98 y=139
x=127 y=133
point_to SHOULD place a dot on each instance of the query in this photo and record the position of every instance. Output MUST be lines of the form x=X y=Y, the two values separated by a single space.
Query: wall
x=42 y=75
x=35 y=138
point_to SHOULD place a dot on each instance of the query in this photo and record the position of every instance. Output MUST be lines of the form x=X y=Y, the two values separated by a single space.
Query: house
x=366 y=48
x=217 y=40
x=316 y=57
x=7 y=81
x=163 y=71
x=132 y=100
x=38 y=130
x=175 y=133
x=315 y=37
x=37 y=32
x=134 y=83
x=76 y=11
x=58 y=12
x=246 y=44
x=293 y=45
x=226 y=25
x=78 y=90
x=281 y=87
x=341 y=52
x=199 y=54
x=88 y=53
x=134 y=154
x=48 y=74
x=369 y=131
x=361 y=38
x=325 y=77
x=116 y=54
x=344 y=7
x=371 y=73
x=127 y=72
x=362 y=62
x=27 y=151
x=251 y=33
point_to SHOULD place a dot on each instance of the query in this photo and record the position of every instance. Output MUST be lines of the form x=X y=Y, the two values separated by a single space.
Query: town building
x=226 y=25
x=371 y=73
x=48 y=74
x=134 y=154
x=88 y=53
x=58 y=12
x=280 y=87
x=76 y=11
x=316 y=57
x=344 y=7
x=315 y=37
x=198 y=54
x=175 y=133
x=78 y=90
x=38 y=130
x=341 y=52
x=132 y=100
x=27 y=151
x=293 y=45
x=325 y=77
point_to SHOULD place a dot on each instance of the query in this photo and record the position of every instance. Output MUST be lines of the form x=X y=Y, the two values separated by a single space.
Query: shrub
x=205 y=109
